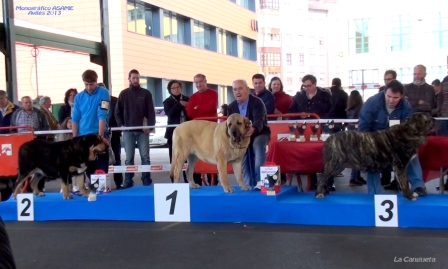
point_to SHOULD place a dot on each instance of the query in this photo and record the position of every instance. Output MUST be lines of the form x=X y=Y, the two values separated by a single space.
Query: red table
x=307 y=157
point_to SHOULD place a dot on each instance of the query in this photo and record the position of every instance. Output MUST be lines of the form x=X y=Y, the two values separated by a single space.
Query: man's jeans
x=254 y=158
x=142 y=139
x=413 y=172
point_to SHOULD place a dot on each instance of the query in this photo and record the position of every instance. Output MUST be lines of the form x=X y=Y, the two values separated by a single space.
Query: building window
x=273 y=59
x=227 y=43
x=288 y=59
x=301 y=59
x=289 y=81
x=247 y=48
x=174 y=27
x=270 y=59
x=400 y=33
x=139 y=18
x=201 y=35
x=249 y=4
x=440 y=29
x=359 y=36
x=269 y=4
x=301 y=41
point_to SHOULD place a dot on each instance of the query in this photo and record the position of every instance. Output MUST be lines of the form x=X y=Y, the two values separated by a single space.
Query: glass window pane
x=166 y=26
x=131 y=17
x=174 y=28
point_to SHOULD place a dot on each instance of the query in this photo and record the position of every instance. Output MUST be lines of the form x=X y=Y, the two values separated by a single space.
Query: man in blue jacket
x=375 y=115
x=253 y=108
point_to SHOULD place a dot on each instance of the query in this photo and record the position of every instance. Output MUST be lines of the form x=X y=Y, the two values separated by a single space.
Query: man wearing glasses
x=389 y=75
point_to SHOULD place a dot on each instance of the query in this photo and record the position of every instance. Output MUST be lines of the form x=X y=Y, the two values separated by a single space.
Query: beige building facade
x=162 y=39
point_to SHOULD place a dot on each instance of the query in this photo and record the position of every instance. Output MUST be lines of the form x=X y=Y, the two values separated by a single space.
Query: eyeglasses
x=307 y=86
x=388 y=79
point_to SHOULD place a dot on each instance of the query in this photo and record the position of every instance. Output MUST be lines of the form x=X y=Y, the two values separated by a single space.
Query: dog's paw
x=194 y=186
x=40 y=194
x=67 y=197
x=320 y=195
x=415 y=195
x=14 y=197
x=229 y=190
x=245 y=188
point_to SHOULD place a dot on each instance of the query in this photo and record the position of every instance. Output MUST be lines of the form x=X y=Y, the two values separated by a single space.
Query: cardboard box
x=104 y=184
x=272 y=171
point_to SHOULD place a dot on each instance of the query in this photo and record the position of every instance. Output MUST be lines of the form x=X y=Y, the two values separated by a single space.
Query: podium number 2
x=172 y=202
x=386 y=213
x=173 y=197
x=25 y=207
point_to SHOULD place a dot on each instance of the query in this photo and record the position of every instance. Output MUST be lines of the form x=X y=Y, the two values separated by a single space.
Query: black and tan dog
x=214 y=143
x=371 y=152
x=38 y=158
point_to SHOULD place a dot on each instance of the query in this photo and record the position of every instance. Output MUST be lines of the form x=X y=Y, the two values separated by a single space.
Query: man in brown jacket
x=420 y=94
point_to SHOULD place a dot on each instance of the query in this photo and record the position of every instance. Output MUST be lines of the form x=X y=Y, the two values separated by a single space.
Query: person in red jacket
x=204 y=102
x=282 y=100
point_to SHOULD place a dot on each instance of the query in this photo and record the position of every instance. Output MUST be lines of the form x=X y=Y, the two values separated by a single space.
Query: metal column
x=10 y=50
x=105 y=44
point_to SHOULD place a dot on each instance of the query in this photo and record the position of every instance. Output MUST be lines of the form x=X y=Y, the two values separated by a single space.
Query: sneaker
x=420 y=191
x=258 y=186
x=362 y=180
x=355 y=182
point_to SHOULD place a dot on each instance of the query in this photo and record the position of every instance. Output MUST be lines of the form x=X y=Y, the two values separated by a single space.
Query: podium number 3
x=173 y=197
x=386 y=211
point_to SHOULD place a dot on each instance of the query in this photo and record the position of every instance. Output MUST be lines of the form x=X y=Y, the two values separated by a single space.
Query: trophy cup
x=314 y=128
x=272 y=179
x=292 y=132
x=301 y=129
x=327 y=130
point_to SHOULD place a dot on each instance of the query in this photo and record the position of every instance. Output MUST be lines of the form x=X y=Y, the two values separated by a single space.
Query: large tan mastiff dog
x=214 y=143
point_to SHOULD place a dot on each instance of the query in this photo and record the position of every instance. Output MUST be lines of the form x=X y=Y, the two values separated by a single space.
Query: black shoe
x=445 y=187
x=420 y=191
x=147 y=182
x=393 y=186
x=355 y=182
x=118 y=187
x=128 y=183
x=362 y=180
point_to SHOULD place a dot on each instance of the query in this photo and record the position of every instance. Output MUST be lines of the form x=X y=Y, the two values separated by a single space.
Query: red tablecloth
x=306 y=157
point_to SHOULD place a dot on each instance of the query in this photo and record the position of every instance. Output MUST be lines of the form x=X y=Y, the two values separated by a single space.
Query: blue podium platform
x=211 y=204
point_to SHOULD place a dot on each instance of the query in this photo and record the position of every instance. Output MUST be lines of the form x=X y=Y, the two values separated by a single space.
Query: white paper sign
x=393 y=122
x=172 y=202
x=25 y=207
x=386 y=212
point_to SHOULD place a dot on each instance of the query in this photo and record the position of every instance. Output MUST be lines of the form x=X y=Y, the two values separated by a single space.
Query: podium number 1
x=172 y=202
x=173 y=197
x=386 y=213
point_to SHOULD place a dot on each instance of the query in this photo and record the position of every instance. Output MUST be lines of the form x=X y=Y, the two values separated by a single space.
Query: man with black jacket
x=253 y=108
x=135 y=107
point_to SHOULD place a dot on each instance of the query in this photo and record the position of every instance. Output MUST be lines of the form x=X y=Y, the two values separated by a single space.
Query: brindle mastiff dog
x=371 y=152
x=212 y=143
